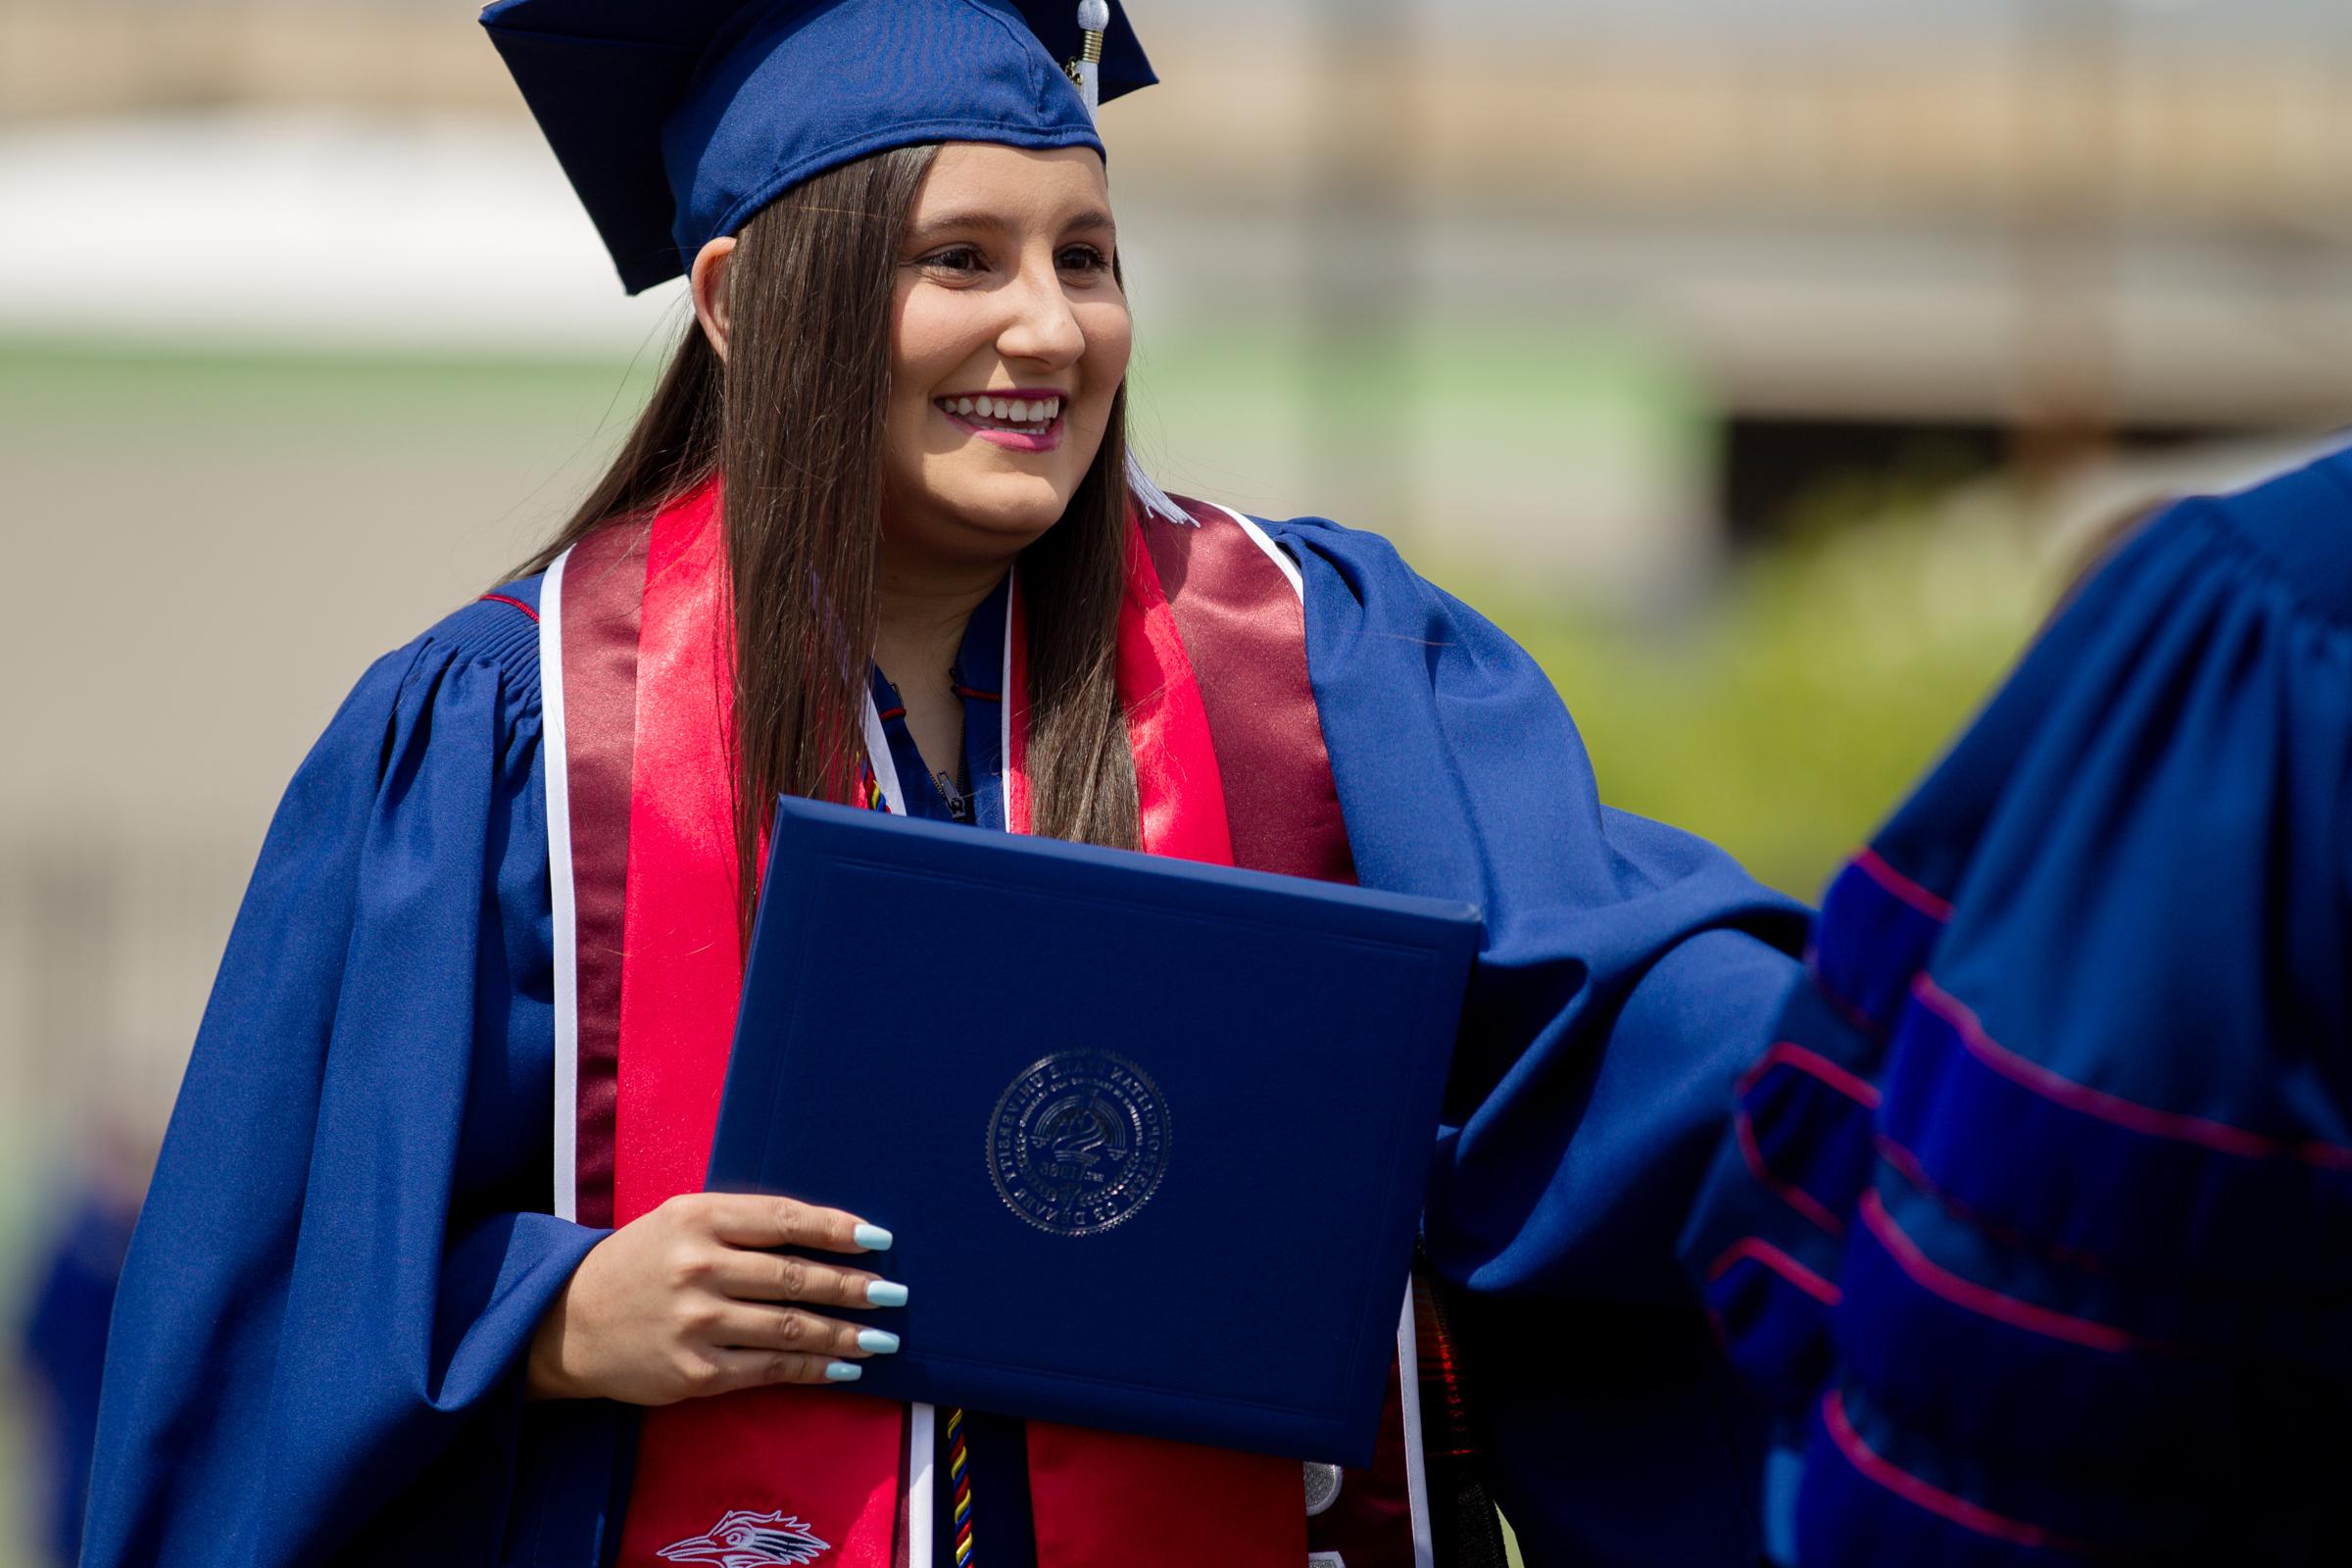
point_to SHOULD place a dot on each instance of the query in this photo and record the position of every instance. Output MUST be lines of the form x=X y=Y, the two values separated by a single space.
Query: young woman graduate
x=426 y=1276
x=2036 y=1222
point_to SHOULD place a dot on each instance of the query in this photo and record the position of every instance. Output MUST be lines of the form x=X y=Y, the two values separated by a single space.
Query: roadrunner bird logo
x=747 y=1540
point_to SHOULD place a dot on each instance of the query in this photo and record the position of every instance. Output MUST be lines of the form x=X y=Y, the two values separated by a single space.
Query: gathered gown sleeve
x=1630 y=972
x=315 y=1352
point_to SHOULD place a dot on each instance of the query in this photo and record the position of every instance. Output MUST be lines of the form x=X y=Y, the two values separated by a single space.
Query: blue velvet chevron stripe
x=1877 y=928
x=1803 y=1127
x=1801 y=1152
x=2116 y=1182
x=1772 y=1311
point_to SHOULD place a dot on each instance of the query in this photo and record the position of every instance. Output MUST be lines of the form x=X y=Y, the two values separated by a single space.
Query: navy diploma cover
x=1152 y=1136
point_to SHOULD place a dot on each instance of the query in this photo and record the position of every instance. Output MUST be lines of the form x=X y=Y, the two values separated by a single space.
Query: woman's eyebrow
x=986 y=222
x=950 y=223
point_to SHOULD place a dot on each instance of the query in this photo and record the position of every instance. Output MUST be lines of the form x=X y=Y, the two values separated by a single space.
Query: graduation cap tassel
x=1094 y=21
x=1151 y=497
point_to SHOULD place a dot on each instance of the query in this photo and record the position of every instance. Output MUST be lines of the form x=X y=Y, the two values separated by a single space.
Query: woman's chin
x=1013 y=508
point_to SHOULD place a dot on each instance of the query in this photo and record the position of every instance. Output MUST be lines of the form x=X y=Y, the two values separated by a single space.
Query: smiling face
x=1009 y=337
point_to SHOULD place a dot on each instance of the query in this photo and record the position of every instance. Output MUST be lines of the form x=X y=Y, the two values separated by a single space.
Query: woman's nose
x=1040 y=324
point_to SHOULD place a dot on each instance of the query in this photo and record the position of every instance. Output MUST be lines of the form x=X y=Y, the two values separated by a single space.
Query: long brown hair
x=792 y=422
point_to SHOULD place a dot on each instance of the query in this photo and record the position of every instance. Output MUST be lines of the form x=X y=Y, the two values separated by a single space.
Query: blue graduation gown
x=318 y=1345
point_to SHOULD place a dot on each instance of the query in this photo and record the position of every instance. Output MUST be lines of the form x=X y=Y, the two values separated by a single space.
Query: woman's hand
x=683 y=1302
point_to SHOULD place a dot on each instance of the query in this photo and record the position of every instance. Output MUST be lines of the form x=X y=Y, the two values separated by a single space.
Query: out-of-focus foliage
x=1786 y=716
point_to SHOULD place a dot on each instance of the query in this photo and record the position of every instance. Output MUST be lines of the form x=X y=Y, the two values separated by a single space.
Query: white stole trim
x=878 y=757
x=1416 y=1460
x=919 y=1441
x=1274 y=552
x=555 y=762
x=920 y=1488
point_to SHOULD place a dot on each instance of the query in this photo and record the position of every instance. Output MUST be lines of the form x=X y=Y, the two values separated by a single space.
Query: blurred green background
x=1764 y=371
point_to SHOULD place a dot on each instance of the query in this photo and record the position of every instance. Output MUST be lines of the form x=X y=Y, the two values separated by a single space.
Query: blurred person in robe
x=2034 y=1222
x=62 y=1338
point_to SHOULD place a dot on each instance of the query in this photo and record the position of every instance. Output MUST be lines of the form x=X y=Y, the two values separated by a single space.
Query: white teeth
x=1034 y=414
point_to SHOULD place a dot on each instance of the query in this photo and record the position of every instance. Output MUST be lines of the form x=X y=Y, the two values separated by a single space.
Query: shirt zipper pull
x=957 y=807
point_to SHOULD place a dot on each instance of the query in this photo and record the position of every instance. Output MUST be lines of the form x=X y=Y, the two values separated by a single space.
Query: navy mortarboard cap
x=677 y=119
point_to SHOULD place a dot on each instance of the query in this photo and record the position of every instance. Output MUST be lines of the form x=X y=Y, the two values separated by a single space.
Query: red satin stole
x=830 y=1459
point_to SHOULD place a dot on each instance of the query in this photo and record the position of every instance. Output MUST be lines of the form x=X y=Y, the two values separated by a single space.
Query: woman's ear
x=709 y=284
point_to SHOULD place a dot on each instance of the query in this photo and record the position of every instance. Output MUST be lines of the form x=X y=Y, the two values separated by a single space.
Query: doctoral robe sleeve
x=2037 y=1223
x=1629 y=972
x=317 y=1340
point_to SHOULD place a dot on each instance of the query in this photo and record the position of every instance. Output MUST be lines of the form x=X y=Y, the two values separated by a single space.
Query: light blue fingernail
x=844 y=1371
x=873 y=1237
x=885 y=1292
x=877 y=1342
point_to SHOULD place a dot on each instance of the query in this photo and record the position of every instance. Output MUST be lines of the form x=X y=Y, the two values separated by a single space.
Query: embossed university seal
x=1078 y=1142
